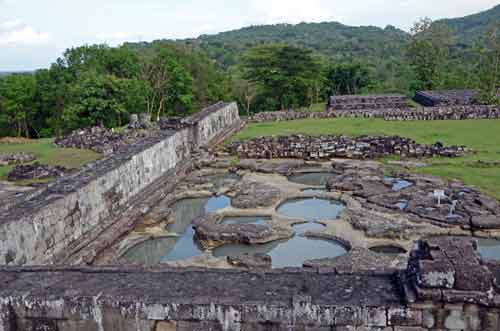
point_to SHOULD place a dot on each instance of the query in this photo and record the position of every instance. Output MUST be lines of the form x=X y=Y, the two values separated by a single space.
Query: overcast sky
x=33 y=33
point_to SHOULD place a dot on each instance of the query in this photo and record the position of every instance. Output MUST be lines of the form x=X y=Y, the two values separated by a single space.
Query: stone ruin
x=15 y=158
x=389 y=114
x=446 y=98
x=85 y=219
x=325 y=147
x=36 y=171
x=438 y=291
x=360 y=102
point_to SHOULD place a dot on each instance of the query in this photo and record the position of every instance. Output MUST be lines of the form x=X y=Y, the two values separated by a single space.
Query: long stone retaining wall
x=388 y=114
x=39 y=229
x=447 y=286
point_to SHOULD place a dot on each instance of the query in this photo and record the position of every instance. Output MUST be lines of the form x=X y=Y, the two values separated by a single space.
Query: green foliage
x=427 y=51
x=285 y=74
x=350 y=78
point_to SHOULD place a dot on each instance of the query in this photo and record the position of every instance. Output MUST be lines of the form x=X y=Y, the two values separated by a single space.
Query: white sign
x=439 y=194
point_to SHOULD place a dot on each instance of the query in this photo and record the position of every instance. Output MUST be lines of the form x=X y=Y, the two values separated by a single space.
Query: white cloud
x=15 y=32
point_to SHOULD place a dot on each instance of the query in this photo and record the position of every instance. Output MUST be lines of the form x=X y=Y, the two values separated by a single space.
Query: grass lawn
x=48 y=153
x=483 y=136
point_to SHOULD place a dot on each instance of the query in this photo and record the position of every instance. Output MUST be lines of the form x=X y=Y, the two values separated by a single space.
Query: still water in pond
x=311 y=209
x=398 y=184
x=313 y=178
x=489 y=248
x=184 y=246
x=289 y=253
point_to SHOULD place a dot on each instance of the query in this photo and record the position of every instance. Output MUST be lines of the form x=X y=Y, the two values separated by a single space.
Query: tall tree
x=286 y=73
x=350 y=78
x=17 y=94
x=428 y=51
x=489 y=67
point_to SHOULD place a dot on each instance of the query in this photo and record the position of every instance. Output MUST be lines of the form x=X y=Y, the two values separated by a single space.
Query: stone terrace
x=359 y=102
x=446 y=97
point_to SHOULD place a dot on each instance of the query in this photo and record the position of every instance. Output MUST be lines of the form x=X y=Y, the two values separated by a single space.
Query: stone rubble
x=36 y=171
x=327 y=147
x=15 y=158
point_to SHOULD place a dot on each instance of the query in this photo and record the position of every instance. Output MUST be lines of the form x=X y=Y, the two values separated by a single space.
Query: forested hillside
x=469 y=29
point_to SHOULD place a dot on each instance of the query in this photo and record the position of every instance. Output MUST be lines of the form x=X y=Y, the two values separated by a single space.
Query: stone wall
x=327 y=147
x=446 y=287
x=388 y=114
x=446 y=97
x=37 y=230
x=359 y=102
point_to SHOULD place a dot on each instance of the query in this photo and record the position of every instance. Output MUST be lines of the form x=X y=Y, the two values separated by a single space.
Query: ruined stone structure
x=438 y=291
x=74 y=209
x=94 y=217
x=326 y=147
x=389 y=114
x=360 y=102
x=446 y=98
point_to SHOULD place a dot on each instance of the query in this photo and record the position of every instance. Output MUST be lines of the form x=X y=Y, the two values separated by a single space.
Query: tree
x=284 y=73
x=489 y=68
x=428 y=51
x=348 y=78
x=97 y=100
x=17 y=98
x=170 y=85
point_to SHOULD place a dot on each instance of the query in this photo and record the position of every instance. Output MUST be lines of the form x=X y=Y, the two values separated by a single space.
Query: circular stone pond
x=311 y=209
x=168 y=249
x=289 y=253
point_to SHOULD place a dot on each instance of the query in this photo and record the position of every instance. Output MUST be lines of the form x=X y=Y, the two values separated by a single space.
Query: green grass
x=47 y=153
x=483 y=136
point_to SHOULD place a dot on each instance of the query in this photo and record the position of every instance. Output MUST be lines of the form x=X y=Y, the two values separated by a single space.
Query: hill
x=329 y=38
x=470 y=28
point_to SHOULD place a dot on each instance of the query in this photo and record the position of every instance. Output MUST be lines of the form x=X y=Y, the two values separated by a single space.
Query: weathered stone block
x=435 y=274
x=199 y=326
x=473 y=278
x=78 y=325
x=348 y=316
x=166 y=326
x=428 y=319
x=376 y=317
x=455 y=320
x=404 y=317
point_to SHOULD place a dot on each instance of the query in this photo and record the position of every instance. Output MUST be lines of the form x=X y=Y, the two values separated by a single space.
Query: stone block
x=435 y=274
x=348 y=316
x=166 y=326
x=473 y=278
x=472 y=317
x=198 y=326
x=78 y=325
x=404 y=317
x=491 y=321
x=455 y=320
x=376 y=317
x=428 y=319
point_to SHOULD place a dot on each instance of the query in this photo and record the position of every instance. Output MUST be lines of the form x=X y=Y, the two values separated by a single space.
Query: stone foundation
x=446 y=287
